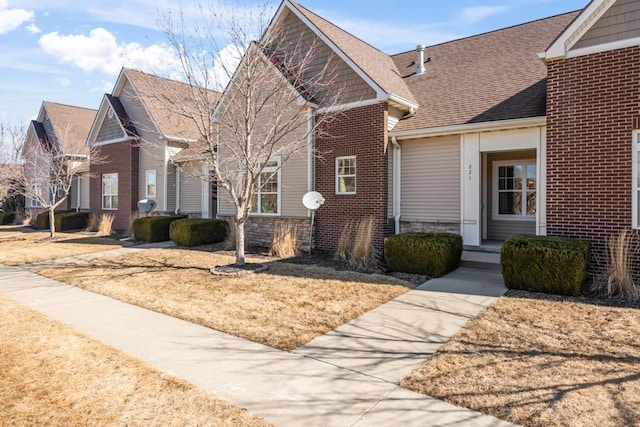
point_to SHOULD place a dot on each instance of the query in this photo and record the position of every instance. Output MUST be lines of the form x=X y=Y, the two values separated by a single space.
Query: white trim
x=98 y=121
x=348 y=106
x=115 y=141
x=495 y=215
x=165 y=178
x=471 y=195
x=470 y=128
x=400 y=100
x=578 y=28
x=620 y=44
x=485 y=195
x=146 y=183
x=205 y=208
x=396 y=183
x=380 y=93
x=541 y=197
x=310 y=154
x=355 y=176
x=177 y=209
x=635 y=188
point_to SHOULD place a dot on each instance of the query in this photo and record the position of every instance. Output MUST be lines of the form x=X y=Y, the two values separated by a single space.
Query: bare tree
x=11 y=139
x=275 y=83
x=49 y=167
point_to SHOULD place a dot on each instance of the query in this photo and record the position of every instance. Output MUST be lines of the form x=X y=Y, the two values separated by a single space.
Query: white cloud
x=478 y=13
x=101 y=52
x=64 y=82
x=11 y=19
x=33 y=29
x=104 y=87
x=225 y=65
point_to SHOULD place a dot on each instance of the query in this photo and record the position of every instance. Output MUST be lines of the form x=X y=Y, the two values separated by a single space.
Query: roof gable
x=66 y=124
x=602 y=26
x=373 y=66
x=112 y=123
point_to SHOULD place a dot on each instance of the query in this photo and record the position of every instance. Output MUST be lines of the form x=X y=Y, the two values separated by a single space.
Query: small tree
x=11 y=138
x=275 y=83
x=49 y=166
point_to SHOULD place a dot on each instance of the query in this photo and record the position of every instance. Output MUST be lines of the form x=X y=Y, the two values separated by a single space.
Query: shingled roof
x=377 y=65
x=488 y=77
x=170 y=103
x=70 y=123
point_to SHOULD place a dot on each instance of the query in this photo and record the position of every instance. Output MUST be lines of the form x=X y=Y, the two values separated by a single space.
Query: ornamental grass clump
x=617 y=280
x=355 y=244
x=285 y=240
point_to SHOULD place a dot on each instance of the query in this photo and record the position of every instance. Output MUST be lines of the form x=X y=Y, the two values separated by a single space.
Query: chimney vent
x=420 y=62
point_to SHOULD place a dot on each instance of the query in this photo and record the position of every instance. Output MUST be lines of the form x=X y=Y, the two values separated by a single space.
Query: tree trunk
x=239 y=242
x=52 y=223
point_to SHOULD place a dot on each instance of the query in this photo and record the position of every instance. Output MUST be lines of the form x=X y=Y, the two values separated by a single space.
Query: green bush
x=42 y=220
x=153 y=229
x=553 y=265
x=71 y=220
x=7 y=217
x=431 y=254
x=197 y=231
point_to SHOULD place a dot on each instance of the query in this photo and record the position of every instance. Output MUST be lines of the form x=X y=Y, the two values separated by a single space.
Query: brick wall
x=259 y=230
x=121 y=158
x=361 y=132
x=592 y=103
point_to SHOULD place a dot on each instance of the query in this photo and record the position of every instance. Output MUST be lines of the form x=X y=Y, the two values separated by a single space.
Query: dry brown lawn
x=26 y=248
x=54 y=376
x=284 y=307
x=542 y=363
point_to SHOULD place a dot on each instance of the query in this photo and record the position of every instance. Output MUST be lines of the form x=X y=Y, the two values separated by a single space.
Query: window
x=151 y=183
x=36 y=189
x=514 y=190
x=346 y=175
x=110 y=191
x=266 y=196
x=636 y=179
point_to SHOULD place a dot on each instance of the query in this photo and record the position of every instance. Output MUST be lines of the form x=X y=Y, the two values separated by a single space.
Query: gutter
x=397 y=205
x=471 y=128
x=177 y=210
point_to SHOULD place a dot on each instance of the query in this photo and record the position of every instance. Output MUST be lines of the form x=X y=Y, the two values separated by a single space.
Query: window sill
x=519 y=218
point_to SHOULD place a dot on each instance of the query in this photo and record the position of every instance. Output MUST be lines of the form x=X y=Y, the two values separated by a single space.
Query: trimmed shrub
x=430 y=254
x=197 y=231
x=7 y=218
x=71 y=220
x=153 y=229
x=42 y=220
x=552 y=265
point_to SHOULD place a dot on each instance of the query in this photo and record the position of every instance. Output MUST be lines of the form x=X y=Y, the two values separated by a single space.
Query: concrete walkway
x=348 y=377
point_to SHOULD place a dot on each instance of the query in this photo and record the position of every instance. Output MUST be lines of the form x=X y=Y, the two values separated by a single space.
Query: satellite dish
x=147 y=205
x=312 y=200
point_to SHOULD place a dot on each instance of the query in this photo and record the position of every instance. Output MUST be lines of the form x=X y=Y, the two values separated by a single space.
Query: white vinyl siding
x=110 y=191
x=431 y=179
x=84 y=190
x=191 y=189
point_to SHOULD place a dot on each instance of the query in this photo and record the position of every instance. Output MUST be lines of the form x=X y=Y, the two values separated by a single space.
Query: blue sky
x=70 y=51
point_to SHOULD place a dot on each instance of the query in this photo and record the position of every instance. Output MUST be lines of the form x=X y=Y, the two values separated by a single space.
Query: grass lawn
x=284 y=307
x=542 y=363
x=54 y=376
x=20 y=248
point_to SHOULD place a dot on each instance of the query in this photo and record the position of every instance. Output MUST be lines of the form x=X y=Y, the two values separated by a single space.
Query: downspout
x=397 y=159
x=78 y=204
x=177 y=211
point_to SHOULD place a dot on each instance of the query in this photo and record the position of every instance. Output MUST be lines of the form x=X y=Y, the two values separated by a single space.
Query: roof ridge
x=490 y=32
x=69 y=105
x=164 y=78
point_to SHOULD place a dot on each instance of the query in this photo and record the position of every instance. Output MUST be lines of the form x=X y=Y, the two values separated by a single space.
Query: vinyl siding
x=171 y=187
x=152 y=148
x=352 y=87
x=620 y=22
x=390 y=181
x=191 y=189
x=431 y=179
x=110 y=129
x=84 y=191
x=497 y=229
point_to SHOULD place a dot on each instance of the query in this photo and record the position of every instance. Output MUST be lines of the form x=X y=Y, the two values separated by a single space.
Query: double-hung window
x=515 y=187
x=36 y=189
x=346 y=175
x=150 y=179
x=266 y=195
x=110 y=191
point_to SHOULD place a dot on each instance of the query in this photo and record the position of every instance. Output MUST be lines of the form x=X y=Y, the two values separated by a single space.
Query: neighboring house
x=139 y=130
x=450 y=137
x=68 y=126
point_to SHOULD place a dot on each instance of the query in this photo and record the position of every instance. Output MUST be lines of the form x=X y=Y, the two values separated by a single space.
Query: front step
x=483 y=260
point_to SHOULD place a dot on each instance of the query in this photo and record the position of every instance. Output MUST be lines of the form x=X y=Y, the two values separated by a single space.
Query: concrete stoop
x=482 y=260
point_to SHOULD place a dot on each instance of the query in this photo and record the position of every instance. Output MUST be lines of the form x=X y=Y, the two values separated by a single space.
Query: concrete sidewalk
x=346 y=378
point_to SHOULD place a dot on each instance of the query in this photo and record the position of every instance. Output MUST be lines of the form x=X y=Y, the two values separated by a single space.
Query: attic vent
x=110 y=113
x=420 y=61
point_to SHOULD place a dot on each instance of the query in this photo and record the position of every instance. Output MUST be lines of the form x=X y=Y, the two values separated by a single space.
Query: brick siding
x=121 y=158
x=592 y=103
x=259 y=230
x=361 y=132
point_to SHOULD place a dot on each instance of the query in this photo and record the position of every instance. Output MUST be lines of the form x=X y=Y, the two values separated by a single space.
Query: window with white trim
x=636 y=179
x=514 y=190
x=36 y=188
x=110 y=191
x=346 y=175
x=150 y=183
x=266 y=196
